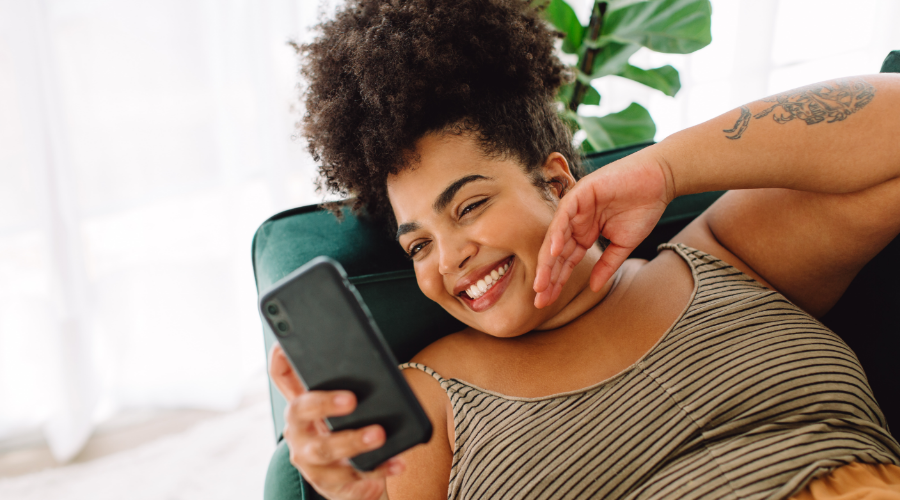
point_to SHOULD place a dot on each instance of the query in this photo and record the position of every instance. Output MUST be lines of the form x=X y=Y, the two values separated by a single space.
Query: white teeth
x=483 y=285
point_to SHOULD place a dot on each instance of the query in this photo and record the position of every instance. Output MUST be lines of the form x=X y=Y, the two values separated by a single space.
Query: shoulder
x=452 y=355
x=436 y=403
x=665 y=284
x=698 y=235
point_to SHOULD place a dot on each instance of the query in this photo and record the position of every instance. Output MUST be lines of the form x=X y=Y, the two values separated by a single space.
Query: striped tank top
x=745 y=396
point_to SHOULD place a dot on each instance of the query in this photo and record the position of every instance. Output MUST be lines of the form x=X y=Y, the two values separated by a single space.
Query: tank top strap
x=693 y=256
x=419 y=366
x=704 y=266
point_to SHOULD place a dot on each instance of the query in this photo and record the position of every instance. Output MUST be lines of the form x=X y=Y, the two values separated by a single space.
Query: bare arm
x=814 y=180
x=427 y=474
x=814 y=175
x=839 y=136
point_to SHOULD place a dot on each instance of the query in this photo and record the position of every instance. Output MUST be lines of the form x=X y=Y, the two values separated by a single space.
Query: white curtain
x=142 y=142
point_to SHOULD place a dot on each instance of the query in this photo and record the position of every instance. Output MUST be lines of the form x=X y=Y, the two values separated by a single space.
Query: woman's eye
x=417 y=248
x=470 y=207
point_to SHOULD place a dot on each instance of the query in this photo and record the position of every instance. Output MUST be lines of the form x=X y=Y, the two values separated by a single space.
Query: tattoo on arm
x=741 y=125
x=833 y=101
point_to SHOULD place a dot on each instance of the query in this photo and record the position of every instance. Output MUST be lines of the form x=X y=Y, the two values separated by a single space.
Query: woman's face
x=471 y=221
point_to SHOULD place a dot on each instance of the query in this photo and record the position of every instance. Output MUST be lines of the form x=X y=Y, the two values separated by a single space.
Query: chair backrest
x=384 y=276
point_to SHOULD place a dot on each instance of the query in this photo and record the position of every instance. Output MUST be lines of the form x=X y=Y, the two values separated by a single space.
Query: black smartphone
x=333 y=343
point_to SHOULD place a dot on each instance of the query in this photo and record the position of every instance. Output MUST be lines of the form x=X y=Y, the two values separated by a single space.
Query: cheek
x=430 y=281
x=524 y=226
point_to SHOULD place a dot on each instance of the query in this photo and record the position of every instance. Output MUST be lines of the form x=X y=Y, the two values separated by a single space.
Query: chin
x=506 y=324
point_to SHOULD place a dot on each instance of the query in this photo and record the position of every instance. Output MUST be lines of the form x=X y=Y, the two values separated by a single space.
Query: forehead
x=442 y=160
x=438 y=153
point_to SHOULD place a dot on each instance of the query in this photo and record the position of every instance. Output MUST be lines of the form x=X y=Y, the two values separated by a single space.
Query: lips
x=483 y=292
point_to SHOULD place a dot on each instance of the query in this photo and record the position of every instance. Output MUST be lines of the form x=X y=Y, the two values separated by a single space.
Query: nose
x=454 y=254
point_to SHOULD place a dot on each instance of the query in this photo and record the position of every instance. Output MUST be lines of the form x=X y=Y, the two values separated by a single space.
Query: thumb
x=283 y=374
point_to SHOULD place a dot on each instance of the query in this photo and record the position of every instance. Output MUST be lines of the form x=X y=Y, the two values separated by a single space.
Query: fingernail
x=396 y=467
x=342 y=400
x=370 y=436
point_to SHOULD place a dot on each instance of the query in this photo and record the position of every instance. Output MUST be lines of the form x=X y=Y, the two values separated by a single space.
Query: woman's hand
x=623 y=201
x=321 y=455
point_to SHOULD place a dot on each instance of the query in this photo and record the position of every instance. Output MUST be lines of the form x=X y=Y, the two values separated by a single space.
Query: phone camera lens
x=272 y=308
x=282 y=326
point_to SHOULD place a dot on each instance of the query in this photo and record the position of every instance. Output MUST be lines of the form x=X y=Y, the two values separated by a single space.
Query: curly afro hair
x=384 y=73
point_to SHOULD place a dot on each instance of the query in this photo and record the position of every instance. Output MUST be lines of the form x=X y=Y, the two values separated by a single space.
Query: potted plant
x=617 y=29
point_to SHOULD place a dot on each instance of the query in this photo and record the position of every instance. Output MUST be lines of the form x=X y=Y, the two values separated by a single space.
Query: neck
x=577 y=297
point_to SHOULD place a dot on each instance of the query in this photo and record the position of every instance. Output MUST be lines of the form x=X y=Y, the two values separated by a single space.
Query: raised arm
x=838 y=136
x=825 y=162
x=813 y=175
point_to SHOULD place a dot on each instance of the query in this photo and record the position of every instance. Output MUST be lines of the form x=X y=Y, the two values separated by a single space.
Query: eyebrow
x=407 y=228
x=442 y=201
x=447 y=195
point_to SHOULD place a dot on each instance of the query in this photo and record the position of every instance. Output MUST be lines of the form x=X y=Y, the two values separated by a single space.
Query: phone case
x=333 y=343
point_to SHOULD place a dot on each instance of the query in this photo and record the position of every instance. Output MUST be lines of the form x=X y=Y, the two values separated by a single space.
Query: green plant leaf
x=591 y=96
x=629 y=126
x=586 y=147
x=621 y=4
x=561 y=15
x=671 y=26
x=566 y=92
x=664 y=78
x=611 y=60
x=597 y=136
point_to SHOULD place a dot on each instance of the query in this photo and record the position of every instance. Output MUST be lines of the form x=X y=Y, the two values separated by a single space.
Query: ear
x=556 y=168
x=283 y=375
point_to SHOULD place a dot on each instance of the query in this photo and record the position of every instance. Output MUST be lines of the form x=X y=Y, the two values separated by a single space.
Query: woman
x=702 y=373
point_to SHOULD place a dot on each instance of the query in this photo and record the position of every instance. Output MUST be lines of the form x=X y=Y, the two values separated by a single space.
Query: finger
x=316 y=405
x=569 y=253
x=392 y=467
x=544 y=265
x=560 y=227
x=557 y=289
x=541 y=279
x=569 y=265
x=321 y=428
x=346 y=481
x=610 y=260
x=559 y=275
x=283 y=375
x=340 y=445
x=558 y=236
x=557 y=268
x=542 y=299
x=542 y=274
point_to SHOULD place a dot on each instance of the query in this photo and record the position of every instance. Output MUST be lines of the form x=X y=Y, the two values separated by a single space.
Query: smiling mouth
x=486 y=291
x=490 y=279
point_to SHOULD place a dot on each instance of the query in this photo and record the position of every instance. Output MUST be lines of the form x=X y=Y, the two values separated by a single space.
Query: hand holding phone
x=323 y=456
x=348 y=380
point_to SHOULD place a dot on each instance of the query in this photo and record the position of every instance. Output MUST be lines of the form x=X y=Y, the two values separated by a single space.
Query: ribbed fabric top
x=745 y=396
